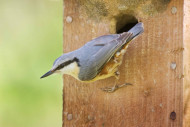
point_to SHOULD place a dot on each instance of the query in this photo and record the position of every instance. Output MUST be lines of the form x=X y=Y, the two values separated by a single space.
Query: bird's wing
x=102 y=40
x=103 y=53
x=99 y=51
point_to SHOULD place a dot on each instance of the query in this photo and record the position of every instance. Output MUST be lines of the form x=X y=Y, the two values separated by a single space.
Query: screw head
x=174 y=10
x=69 y=19
x=173 y=65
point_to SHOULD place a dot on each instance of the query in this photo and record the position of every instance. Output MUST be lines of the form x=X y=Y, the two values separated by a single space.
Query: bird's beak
x=47 y=74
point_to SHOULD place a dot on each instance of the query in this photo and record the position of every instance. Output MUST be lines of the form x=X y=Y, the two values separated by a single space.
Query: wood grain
x=186 y=68
x=157 y=89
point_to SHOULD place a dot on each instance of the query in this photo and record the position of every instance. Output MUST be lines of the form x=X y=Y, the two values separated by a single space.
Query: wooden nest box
x=157 y=63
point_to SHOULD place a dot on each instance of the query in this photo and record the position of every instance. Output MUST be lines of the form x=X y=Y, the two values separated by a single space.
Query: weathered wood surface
x=154 y=99
x=186 y=59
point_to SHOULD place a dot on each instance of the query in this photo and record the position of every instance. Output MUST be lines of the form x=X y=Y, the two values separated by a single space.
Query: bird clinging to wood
x=97 y=59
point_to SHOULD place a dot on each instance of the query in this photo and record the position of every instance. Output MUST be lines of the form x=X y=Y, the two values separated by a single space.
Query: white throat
x=71 y=69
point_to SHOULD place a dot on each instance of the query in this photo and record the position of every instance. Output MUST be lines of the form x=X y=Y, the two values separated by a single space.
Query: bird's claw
x=117 y=74
x=114 y=88
x=110 y=89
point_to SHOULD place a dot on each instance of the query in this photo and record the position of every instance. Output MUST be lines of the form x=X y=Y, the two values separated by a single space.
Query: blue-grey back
x=96 y=53
x=86 y=56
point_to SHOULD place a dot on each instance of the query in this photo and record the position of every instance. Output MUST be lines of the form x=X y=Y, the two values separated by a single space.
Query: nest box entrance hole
x=125 y=23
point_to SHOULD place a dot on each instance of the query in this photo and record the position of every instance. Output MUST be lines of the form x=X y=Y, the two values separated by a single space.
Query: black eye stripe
x=67 y=63
x=64 y=64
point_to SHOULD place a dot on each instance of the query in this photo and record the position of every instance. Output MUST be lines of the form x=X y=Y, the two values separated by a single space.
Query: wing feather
x=96 y=53
x=97 y=61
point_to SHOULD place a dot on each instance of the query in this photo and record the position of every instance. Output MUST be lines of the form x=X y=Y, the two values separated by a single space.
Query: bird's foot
x=114 y=88
x=117 y=74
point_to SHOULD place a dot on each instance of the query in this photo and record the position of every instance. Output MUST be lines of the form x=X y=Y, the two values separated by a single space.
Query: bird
x=97 y=59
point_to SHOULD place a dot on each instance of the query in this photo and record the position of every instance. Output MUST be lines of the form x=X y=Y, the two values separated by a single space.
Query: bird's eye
x=66 y=63
x=63 y=64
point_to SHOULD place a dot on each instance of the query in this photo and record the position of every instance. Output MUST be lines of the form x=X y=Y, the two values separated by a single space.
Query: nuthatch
x=97 y=59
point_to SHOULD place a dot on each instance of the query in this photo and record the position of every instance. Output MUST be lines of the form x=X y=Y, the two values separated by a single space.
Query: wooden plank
x=154 y=100
x=186 y=33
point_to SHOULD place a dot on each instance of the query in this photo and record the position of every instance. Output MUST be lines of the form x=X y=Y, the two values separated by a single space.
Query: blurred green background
x=30 y=40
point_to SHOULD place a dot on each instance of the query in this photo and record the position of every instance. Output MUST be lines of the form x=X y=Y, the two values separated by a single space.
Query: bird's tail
x=136 y=30
x=126 y=37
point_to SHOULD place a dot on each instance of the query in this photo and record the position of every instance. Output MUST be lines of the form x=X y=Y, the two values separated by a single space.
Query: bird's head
x=64 y=64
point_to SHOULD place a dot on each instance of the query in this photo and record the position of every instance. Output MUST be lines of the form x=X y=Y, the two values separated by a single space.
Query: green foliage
x=30 y=40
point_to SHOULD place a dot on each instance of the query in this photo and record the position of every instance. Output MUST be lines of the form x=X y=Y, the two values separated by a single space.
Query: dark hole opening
x=125 y=23
x=126 y=28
